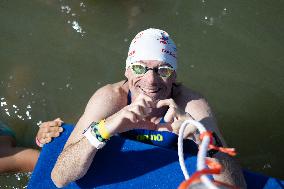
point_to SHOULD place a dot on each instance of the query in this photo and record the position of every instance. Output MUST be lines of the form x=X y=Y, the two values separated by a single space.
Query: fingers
x=49 y=130
x=45 y=140
x=166 y=102
x=58 y=121
x=173 y=111
x=146 y=99
x=142 y=106
x=55 y=123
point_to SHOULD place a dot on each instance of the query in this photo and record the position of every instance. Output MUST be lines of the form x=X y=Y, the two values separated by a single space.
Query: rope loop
x=205 y=165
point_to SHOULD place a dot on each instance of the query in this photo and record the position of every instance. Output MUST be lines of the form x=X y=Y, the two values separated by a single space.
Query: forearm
x=231 y=171
x=73 y=162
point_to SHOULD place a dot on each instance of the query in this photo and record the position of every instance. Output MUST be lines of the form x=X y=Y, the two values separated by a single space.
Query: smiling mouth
x=149 y=91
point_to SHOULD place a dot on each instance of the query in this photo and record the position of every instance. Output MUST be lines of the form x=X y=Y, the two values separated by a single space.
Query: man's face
x=150 y=83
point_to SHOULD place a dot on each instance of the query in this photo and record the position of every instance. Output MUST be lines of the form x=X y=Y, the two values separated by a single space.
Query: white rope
x=201 y=156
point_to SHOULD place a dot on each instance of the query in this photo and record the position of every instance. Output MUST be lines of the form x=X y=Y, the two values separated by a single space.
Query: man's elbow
x=57 y=180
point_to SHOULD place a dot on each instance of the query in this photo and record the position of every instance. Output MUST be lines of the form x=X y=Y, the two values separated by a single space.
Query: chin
x=154 y=95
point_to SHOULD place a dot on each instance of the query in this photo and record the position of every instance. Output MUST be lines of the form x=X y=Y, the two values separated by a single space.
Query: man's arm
x=78 y=153
x=232 y=172
x=108 y=103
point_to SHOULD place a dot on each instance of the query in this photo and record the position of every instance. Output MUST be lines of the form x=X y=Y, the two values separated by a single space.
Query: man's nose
x=151 y=76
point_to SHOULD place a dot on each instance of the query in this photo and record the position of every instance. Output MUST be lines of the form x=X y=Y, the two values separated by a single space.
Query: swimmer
x=19 y=159
x=12 y=157
x=149 y=100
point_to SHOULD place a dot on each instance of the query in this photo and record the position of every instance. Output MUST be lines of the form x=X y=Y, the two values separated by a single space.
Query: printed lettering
x=169 y=53
x=159 y=137
x=131 y=53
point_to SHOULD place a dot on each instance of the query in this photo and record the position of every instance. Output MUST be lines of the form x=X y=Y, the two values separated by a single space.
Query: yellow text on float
x=157 y=137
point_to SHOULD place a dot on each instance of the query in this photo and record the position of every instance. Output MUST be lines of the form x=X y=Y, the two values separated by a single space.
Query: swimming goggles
x=140 y=69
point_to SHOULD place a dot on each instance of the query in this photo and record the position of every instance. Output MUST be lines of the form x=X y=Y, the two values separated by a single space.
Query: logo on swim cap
x=152 y=44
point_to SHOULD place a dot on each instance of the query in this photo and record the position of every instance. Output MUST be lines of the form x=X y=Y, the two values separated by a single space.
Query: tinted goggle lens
x=163 y=71
x=138 y=69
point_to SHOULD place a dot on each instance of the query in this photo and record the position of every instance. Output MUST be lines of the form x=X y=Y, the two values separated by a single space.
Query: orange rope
x=214 y=167
x=230 y=151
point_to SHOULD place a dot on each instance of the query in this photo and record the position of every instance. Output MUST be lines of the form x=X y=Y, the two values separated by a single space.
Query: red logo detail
x=139 y=35
x=131 y=53
x=164 y=39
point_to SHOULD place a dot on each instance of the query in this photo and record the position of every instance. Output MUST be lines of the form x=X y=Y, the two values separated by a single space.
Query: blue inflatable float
x=124 y=163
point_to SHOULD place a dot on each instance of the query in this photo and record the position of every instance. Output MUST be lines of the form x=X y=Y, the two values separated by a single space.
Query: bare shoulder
x=110 y=92
x=192 y=102
x=110 y=96
x=106 y=101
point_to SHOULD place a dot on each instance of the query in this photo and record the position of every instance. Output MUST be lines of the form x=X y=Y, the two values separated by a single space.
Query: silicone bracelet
x=102 y=129
x=38 y=143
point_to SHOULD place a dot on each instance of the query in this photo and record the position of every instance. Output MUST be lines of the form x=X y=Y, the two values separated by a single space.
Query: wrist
x=110 y=128
x=93 y=135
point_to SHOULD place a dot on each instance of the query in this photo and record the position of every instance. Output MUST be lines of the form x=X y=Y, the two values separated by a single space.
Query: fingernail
x=60 y=129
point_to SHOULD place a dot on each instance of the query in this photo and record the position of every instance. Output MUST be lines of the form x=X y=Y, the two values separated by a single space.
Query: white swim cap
x=152 y=44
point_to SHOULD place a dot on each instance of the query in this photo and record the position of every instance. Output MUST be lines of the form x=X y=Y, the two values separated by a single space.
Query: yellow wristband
x=102 y=129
